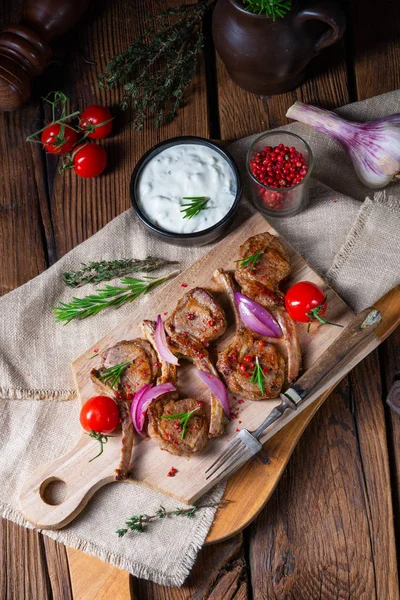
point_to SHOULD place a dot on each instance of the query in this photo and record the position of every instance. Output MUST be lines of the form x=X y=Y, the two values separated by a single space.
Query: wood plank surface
x=81 y=207
x=28 y=568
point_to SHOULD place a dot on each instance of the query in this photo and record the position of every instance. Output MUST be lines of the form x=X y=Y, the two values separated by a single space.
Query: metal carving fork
x=246 y=444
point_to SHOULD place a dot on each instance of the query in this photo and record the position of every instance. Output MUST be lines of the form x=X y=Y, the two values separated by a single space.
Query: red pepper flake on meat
x=129 y=396
x=200 y=355
x=241 y=401
x=172 y=472
x=199 y=403
x=165 y=314
x=237 y=429
x=211 y=323
x=184 y=285
x=191 y=316
x=240 y=422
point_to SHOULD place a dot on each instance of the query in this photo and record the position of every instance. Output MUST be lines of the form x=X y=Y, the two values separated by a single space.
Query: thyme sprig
x=269 y=8
x=258 y=375
x=104 y=270
x=159 y=66
x=111 y=375
x=107 y=297
x=195 y=205
x=140 y=522
x=183 y=419
x=101 y=438
x=249 y=261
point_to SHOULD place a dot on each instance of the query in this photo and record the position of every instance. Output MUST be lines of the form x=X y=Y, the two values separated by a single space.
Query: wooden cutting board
x=150 y=464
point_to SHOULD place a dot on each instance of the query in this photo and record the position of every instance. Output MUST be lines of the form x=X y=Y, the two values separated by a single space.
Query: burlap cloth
x=352 y=241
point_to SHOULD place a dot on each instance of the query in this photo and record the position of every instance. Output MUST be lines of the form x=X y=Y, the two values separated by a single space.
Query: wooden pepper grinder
x=25 y=49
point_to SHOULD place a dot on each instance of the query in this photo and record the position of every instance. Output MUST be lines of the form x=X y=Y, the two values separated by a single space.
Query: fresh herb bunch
x=159 y=66
x=269 y=8
x=183 y=419
x=112 y=375
x=139 y=522
x=195 y=205
x=104 y=270
x=109 y=296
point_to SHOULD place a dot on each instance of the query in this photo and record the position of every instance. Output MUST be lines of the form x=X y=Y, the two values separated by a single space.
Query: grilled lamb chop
x=144 y=368
x=198 y=315
x=247 y=345
x=260 y=281
x=194 y=351
x=168 y=430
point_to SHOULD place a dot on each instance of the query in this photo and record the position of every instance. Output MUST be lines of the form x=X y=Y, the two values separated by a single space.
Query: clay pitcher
x=269 y=57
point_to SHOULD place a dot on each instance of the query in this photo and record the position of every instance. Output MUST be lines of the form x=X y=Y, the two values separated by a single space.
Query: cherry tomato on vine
x=306 y=302
x=99 y=414
x=89 y=160
x=96 y=121
x=303 y=297
x=57 y=139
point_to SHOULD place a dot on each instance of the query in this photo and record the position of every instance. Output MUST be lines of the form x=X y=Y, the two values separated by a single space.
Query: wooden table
x=328 y=530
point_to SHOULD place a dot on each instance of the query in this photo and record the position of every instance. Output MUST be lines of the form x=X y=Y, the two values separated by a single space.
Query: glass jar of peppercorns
x=279 y=165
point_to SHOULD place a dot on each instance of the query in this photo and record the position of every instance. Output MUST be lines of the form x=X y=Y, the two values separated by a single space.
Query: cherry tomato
x=58 y=142
x=99 y=414
x=304 y=297
x=89 y=160
x=96 y=121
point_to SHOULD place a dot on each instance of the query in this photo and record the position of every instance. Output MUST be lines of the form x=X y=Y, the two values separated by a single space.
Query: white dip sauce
x=181 y=171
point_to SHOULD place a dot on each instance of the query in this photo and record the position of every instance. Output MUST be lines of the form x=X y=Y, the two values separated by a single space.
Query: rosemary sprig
x=195 y=205
x=183 y=419
x=140 y=522
x=258 y=376
x=159 y=66
x=104 y=270
x=112 y=375
x=249 y=261
x=109 y=296
x=269 y=8
x=101 y=438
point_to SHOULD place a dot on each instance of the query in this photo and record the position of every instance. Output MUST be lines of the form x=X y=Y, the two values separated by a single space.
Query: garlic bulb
x=373 y=147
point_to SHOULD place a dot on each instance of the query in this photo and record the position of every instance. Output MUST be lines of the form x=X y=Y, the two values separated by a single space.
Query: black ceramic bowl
x=198 y=238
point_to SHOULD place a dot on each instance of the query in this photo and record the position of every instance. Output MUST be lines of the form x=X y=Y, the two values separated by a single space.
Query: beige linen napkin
x=356 y=246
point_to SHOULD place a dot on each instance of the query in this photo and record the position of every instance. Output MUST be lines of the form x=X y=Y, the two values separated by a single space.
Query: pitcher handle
x=328 y=12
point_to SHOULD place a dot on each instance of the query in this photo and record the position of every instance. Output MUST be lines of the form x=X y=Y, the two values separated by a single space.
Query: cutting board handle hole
x=53 y=491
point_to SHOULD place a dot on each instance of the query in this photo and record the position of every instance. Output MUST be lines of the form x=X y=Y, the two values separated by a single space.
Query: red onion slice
x=142 y=400
x=162 y=344
x=218 y=389
x=256 y=317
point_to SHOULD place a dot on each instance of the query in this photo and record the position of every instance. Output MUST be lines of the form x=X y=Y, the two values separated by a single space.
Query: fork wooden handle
x=355 y=335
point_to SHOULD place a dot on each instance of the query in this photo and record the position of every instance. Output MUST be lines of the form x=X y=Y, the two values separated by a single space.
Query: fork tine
x=238 y=461
x=226 y=453
x=228 y=456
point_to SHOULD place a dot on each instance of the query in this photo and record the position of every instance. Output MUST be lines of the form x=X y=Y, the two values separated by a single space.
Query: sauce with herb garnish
x=186 y=188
